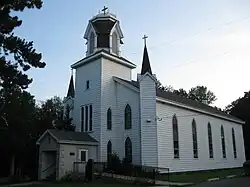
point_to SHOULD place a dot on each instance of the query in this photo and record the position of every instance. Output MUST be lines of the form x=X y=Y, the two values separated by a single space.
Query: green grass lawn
x=72 y=184
x=199 y=176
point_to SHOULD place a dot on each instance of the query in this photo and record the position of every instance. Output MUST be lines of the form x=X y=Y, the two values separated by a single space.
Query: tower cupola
x=104 y=32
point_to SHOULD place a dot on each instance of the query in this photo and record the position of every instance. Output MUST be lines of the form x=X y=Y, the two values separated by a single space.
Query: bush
x=246 y=167
x=70 y=176
x=15 y=179
x=114 y=163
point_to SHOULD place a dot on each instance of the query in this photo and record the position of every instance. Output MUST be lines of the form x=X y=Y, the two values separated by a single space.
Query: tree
x=198 y=93
x=66 y=122
x=49 y=113
x=201 y=94
x=168 y=88
x=19 y=113
x=16 y=54
x=181 y=92
x=240 y=108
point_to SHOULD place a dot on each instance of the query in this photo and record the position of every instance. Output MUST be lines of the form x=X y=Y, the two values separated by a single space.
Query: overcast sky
x=190 y=42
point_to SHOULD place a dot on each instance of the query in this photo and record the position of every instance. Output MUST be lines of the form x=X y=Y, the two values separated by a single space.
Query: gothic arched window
x=234 y=143
x=114 y=43
x=128 y=117
x=175 y=137
x=223 y=146
x=91 y=43
x=210 y=141
x=109 y=150
x=195 y=142
x=128 y=150
x=109 y=119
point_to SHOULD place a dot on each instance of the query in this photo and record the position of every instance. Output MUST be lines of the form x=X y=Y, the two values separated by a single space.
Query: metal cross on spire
x=104 y=9
x=145 y=39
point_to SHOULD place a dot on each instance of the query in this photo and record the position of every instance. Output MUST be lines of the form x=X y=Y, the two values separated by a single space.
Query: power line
x=195 y=61
x=197 y=33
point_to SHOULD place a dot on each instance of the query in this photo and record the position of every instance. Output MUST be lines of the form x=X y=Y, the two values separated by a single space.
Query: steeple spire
x=145 y=62
x=71 y=89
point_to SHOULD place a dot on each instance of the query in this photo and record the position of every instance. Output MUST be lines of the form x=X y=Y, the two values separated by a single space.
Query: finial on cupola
x=145 y=62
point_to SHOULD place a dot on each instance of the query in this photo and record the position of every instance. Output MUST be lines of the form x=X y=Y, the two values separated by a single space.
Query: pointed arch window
x=114 y=43
x=234 y=143
x=195 y=142
x=210 y=141
x=175 y=137
x=128 y=150
x=109 y=150
x=91 y=42
x=128 y=117
x=109 y=119
x=223 y=146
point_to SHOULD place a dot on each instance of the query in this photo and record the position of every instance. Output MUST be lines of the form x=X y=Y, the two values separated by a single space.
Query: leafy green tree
x=49 y=113
x=198 y=93
x=19 y=114
x=16 y=54
x=66 y=122
x=241 y=108
x=202 y=94
x=181 y=92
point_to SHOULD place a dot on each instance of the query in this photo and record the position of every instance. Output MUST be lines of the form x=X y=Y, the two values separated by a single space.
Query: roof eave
x=78 y=142
x=161 y=99
x=105 y=55
x=164 y=100
x=43 y=135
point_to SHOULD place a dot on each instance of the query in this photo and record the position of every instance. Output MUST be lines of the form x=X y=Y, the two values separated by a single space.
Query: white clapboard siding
x=149 y=148
x=92 y=72
x=115 y=97
x=186 y=162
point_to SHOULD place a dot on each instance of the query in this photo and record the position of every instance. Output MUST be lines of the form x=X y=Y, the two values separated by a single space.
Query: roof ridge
x=185 y=101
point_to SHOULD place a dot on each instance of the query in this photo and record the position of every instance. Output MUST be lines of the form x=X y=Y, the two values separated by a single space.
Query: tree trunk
x=12 y=165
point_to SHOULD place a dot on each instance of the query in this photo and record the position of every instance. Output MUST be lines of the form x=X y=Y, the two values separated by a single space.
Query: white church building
x=135 y=119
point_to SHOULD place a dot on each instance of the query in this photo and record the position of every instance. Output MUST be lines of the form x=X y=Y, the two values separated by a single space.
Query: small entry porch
x=48 y=168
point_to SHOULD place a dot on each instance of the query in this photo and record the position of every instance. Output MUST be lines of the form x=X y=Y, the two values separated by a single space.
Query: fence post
x=154 y=177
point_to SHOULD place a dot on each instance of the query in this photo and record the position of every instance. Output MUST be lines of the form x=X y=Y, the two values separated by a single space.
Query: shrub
x=246 y=167
x=70 y=176
x=114 y=163
x=127 y=168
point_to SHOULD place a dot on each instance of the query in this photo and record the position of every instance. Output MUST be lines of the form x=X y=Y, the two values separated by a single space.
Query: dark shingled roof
x=182 y=100
x=72 y=136
x=145 y=63
x=71 y=89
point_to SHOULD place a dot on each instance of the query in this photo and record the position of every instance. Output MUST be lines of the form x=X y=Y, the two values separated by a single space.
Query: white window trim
x=80 y=154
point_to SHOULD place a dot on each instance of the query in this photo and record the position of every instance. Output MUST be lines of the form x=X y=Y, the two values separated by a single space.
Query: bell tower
x=104 y=33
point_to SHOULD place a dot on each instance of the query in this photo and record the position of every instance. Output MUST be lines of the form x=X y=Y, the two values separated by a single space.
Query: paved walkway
x=235 y=182
x=157 y=183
